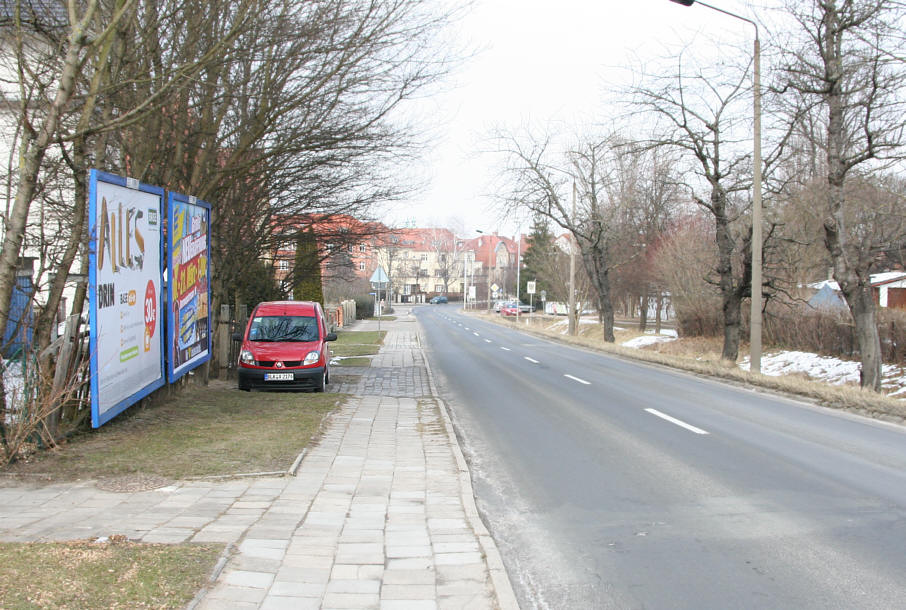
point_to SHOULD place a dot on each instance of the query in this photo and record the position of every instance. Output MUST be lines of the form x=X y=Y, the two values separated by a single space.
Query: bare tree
x=537 y=183
x=447 y=253
x=844 y=72
x=698 y=113
x=650 y=196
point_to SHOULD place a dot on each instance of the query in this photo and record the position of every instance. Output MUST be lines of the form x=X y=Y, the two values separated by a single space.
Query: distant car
x=512 y=308
x=509 y=309
x=438 y=299
x=284 y=347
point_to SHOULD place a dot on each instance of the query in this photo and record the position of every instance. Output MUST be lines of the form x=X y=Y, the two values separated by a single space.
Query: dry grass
x=110 y=575
x=701 y=356
x=202 y=431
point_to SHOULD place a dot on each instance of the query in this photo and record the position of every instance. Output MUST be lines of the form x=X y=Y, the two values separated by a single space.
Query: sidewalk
x=380 y=513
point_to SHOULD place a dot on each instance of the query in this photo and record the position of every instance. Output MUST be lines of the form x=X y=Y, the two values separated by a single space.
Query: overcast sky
x=548 y=64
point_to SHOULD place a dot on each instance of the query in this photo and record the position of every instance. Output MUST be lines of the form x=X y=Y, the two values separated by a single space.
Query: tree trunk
x=730 y=296
x=854 y=281
x=594 y=259
x=657 y=314
x=643 y=309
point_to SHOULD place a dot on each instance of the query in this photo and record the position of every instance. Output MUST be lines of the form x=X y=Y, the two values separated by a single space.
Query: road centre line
x=476 y=334
x=532 y=360
x=487 y=340
x=582 y=381
x=506 y=349
x=678 y=422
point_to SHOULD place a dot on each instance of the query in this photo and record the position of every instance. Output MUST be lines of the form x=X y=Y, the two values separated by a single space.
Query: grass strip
x=354 y=362
x=360 y=337
x=352 y=343
x=203 y=431
x=109 y=575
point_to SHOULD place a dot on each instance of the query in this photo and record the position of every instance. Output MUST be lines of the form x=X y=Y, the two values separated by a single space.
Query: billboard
x=189 y=289
x=125 y=293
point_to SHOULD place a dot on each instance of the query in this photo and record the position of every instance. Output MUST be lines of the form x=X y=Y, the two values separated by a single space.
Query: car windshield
x=283 y=328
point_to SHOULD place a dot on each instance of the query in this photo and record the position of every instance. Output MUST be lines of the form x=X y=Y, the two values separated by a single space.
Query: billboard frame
x=173 y=321
x=96 y=176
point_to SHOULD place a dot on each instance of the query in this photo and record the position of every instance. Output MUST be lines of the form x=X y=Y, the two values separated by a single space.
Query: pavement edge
x=503 y=588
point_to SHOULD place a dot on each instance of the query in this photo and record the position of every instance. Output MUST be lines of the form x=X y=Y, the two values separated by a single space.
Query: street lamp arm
x=720 y=10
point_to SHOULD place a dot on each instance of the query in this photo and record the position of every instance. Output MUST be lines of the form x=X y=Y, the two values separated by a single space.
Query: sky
x=541 y=65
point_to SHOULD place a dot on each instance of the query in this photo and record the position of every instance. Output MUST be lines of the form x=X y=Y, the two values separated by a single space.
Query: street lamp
x=755 y=324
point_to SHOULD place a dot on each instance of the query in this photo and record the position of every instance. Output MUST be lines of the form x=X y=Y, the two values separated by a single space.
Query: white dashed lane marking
x=678 y=422
x=582 y=381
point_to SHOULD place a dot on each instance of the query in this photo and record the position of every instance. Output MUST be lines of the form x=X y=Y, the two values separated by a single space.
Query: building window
x=283 y=265
x=362 y=247
x=361 y=265
x=424 y=258
x=438 y=287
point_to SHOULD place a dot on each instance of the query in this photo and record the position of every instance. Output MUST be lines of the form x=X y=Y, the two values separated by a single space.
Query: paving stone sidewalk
x=379 y=514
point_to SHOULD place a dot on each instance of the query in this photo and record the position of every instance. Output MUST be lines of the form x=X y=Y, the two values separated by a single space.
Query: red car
x=285 y=347
x=509 y=309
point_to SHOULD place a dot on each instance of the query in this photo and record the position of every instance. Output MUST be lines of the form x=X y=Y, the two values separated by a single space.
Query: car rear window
x=284 y=328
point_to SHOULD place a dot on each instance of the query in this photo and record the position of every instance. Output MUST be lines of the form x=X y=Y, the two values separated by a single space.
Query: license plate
x=278 y=376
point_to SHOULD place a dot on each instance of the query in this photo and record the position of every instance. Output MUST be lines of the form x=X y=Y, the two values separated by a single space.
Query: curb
x=228 y=552
x=500 y=580
x=295 y=465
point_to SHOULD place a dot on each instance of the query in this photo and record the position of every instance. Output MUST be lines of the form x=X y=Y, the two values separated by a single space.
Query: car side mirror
x=237 y=337
x=331 y=336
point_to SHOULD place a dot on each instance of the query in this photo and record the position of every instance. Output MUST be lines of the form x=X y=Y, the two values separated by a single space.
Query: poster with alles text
x=125 y=293
x=189 y=273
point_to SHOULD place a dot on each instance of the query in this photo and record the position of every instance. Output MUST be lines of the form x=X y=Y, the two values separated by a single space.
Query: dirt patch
x=131 y=483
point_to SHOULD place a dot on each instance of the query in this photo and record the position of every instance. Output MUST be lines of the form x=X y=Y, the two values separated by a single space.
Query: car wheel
x=244 y=388
x=319 y=385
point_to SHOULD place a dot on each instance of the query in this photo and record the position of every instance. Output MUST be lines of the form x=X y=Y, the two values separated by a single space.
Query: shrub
x=800 y=327
x=364 y=307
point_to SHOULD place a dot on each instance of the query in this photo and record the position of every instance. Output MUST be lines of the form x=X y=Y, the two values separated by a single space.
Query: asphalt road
x=608 y=483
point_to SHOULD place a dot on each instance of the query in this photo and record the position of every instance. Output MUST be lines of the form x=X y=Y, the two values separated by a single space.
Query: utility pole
x=572 y=270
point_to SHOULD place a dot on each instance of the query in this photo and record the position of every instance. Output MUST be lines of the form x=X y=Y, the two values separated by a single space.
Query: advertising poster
x=125 y=293
x=189 y=276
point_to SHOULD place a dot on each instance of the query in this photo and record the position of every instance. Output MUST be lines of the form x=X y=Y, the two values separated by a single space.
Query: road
x=608 y=483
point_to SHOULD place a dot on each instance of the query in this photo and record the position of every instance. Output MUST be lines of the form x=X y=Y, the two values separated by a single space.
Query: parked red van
x=285 y=347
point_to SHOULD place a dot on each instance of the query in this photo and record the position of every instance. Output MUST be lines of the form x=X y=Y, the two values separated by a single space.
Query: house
x=420 y=262
x=888 y=288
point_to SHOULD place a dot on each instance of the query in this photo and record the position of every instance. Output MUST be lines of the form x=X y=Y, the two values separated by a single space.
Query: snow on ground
x=827 y=369
x=820 y=368
x=649 y=338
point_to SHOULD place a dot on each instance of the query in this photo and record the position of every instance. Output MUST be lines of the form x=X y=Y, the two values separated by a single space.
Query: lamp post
x=755 y=323
x=572 y=319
